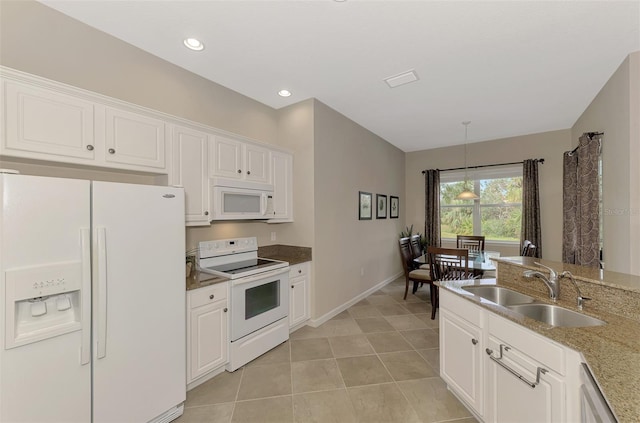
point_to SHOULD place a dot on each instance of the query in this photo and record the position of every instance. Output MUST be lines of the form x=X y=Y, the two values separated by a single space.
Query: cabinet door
x=461 y=358
x=208 y=337
x=226 y=158
x=512 y=400
x=190 y=171
x=281 y=171
x=257 y=164
x=134 y=139
x=298 y=311
x=47 y=125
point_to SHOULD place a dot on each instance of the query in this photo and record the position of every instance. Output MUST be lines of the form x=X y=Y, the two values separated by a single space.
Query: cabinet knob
x=299 y=270
x=90 y=147
x=225 y=309
x=239 y=170
x=291 y=286
x=206 y=213
x=211 y=297
x=248 y=172
x=112 y=151
x=474 y=341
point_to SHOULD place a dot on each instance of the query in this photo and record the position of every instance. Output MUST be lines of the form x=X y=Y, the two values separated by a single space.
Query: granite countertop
x=289 y=253
x=201 y=279
x=612 y=351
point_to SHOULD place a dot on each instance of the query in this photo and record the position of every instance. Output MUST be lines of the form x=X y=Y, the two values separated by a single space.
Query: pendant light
x=466 y=194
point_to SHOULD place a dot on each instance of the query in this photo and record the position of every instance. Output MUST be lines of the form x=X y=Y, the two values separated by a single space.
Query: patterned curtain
x=432 y=207
x=531 y=229
x=581 y=204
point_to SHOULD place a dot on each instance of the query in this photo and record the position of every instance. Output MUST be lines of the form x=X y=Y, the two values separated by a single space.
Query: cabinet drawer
x=207 y=295
x=299 y=269
x=461 y=307
x=527 y=342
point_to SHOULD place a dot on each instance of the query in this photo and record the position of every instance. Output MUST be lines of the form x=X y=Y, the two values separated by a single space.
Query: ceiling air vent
x=401 y=79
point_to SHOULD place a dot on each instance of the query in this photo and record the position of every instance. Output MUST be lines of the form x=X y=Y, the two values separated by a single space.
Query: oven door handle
x=260 y=276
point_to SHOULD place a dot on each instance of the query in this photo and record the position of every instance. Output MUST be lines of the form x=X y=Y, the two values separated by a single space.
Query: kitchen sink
x=555 y=316
x=499 y=295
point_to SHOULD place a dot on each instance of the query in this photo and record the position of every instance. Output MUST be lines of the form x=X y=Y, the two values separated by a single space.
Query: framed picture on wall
x=381 y=206
x=394 y=207
x=364 y=205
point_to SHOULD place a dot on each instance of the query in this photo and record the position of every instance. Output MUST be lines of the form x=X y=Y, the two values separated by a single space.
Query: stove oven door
x=258 y=301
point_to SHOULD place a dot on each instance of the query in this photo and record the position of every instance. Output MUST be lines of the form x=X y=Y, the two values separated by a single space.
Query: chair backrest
x=470 y=242
x=448 y=263
x=406 y=254
x=530 y=251
x=525 y=247
x=416 y=250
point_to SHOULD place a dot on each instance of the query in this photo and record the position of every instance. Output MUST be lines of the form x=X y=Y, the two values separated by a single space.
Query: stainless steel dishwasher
x=593 y=405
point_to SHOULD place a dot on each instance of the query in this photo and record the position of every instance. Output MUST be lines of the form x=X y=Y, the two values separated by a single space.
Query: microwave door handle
x=263 y=204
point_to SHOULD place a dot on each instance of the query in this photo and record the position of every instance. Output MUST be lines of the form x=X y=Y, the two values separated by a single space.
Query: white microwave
x=239 y=200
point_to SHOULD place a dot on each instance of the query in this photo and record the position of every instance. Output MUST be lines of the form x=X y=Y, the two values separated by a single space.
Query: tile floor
x=375 y=362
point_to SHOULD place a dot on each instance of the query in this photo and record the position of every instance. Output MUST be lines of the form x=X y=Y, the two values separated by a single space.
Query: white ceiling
x=509 y=67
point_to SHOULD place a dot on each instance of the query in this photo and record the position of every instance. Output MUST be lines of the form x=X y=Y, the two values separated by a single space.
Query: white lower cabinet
x=502 y=371
x=461 y=349
x=299 y=295
x=207 y=330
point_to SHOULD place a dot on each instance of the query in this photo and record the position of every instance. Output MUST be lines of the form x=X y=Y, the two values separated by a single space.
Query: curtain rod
x=590 y=135
x=489 y=165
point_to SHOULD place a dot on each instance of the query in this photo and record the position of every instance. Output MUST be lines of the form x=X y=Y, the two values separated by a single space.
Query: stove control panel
x=223 y=247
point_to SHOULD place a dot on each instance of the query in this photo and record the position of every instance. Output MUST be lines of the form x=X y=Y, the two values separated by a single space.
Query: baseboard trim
x=327 y=316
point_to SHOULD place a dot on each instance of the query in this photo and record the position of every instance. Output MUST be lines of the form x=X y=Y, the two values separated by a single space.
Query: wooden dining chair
x=410 y=273
x=416 y=250
x=473 y=243
x=446 y=264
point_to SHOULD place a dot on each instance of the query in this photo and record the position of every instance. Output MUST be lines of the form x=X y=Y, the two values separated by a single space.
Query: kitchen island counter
x=612 y=351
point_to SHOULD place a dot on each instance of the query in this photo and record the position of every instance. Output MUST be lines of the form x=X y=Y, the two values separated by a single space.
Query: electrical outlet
x=273 y=236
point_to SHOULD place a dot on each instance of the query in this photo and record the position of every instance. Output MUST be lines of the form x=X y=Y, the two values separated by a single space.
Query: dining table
x=478 y=262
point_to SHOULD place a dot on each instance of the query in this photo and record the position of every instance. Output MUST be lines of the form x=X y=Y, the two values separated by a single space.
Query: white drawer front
x=207 y=295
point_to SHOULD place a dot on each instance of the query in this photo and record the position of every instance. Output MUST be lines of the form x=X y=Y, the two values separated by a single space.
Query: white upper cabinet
x=46 y=125
x=235 y=159
x=282 y=179
x=256 y=164
x=134 y=139
x=226 y=158
x=190 y=170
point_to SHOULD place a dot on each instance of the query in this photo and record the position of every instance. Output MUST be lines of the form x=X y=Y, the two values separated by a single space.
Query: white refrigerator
x=92 y=301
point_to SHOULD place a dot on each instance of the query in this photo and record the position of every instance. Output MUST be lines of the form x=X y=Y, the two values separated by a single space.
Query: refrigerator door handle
x=85 y=347
x=101 y=315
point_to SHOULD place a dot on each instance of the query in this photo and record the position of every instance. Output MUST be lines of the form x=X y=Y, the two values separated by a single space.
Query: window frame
x=474 y=177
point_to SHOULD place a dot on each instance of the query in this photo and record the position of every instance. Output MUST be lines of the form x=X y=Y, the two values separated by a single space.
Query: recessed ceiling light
x=284 y=93
x=194 y=44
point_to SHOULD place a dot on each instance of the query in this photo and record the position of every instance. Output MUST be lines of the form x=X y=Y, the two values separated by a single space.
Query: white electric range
x=259 y=299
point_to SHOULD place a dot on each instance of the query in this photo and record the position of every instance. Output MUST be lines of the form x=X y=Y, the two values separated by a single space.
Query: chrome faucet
x=581 y=299
x=551 y=281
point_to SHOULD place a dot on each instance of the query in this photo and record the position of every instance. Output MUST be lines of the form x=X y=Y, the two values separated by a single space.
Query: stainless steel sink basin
x=555 y=316
x=499 y=295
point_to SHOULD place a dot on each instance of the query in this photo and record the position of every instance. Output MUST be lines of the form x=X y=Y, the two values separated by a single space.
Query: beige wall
x=295 y=132
x=547 y=145
x=348 y=159
x=616 y=112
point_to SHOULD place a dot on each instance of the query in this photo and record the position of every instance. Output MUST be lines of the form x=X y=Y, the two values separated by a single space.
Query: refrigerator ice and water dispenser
x=42 y=302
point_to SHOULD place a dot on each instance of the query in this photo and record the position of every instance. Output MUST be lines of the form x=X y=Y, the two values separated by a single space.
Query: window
x=497 y=214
